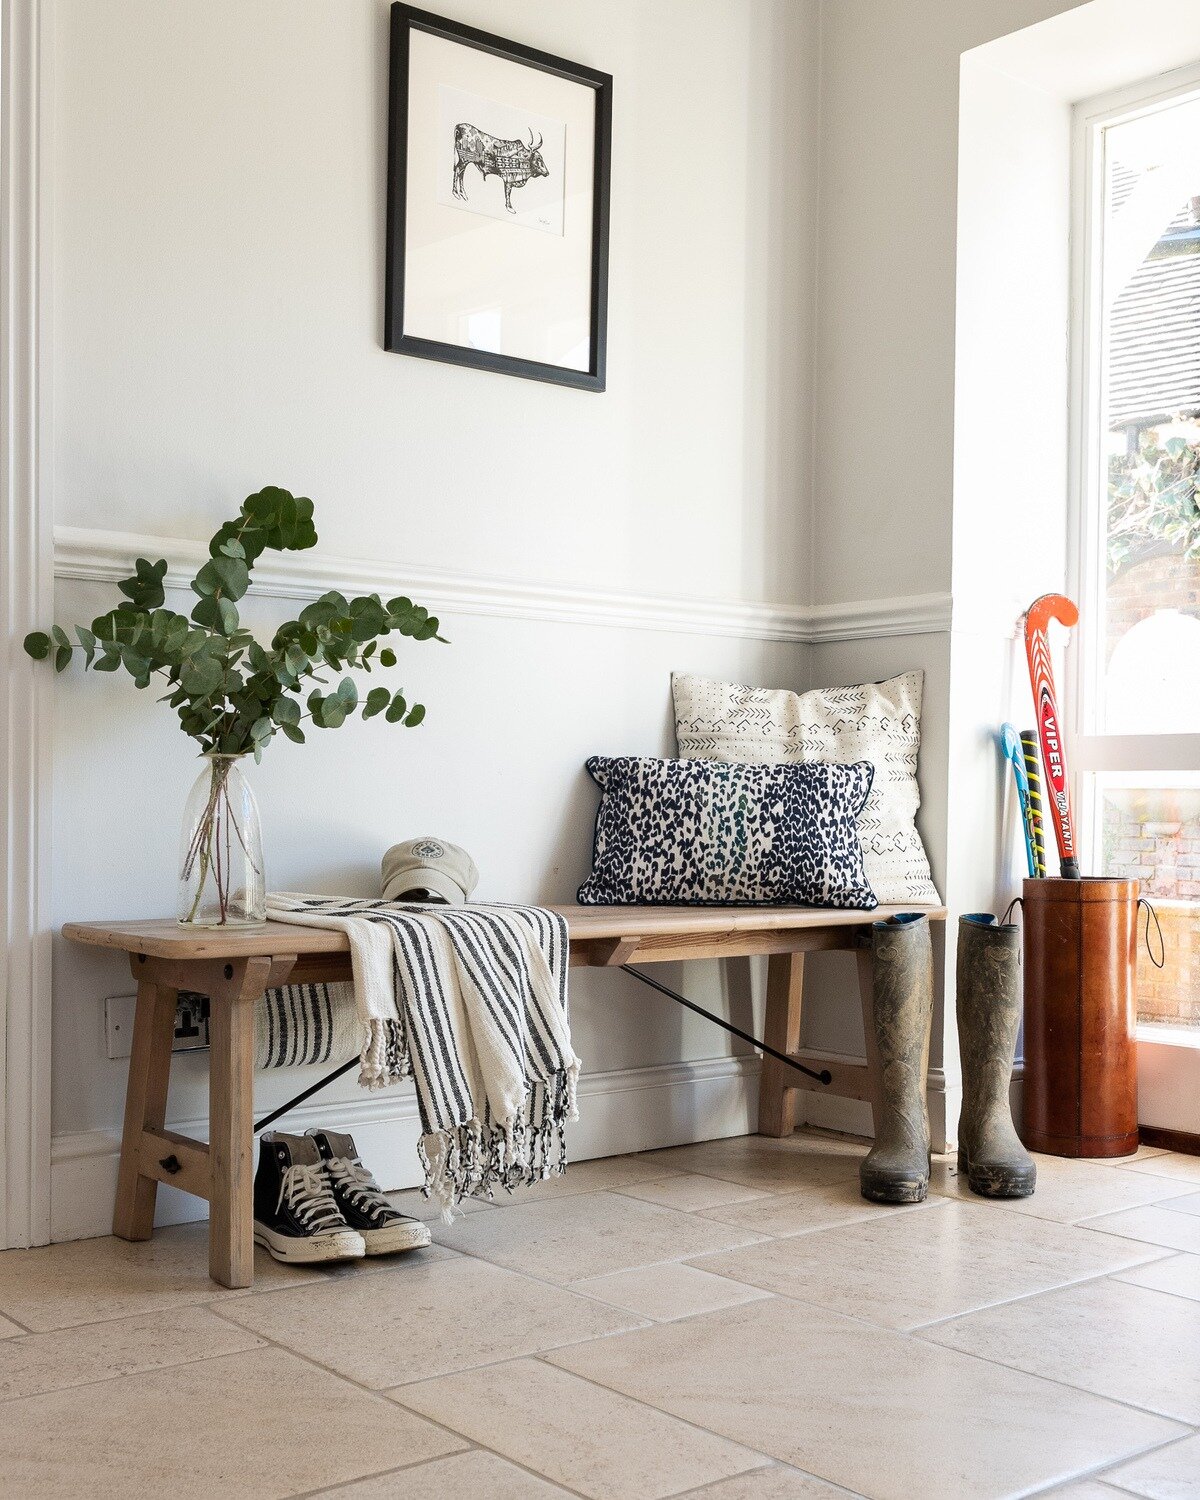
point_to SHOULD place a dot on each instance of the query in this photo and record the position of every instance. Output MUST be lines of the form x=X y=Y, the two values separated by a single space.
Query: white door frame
x=26 y=601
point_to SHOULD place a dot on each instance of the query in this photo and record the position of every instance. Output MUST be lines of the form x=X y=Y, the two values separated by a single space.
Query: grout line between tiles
x=505 y=1359
x=767 y=1458
x=1105 y=1474
x=784 y=1468
x=1066 y=1385
x=175 y=1364
x=324 y=1278
x=1162 y=1290
x=366 y=1390
x=472 y=1447
x=1043 y=1291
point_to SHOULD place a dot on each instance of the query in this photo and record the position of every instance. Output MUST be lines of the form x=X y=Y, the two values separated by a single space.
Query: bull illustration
x=513 y=162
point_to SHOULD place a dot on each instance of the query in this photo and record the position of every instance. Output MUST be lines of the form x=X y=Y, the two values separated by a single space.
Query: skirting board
x=633 y=1109
x=853 y=1117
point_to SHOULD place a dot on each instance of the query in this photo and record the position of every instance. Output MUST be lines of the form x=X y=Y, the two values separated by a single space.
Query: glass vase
x=222 y=881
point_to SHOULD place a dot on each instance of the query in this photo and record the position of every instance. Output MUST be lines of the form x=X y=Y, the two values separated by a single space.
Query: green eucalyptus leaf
x=415 y=714
x=261 y=729
x=233 y=574
x=201 y=676
x=228 y=614
x=285 y=711
x=347 y=691
x=207 y=612
x=293 y=733
x=62 y=658
x=377 y=700
x=37 y=645
x=387 y=657
x=396 y=709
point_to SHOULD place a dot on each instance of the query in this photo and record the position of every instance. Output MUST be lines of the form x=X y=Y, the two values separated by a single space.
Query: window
x=1136 y=660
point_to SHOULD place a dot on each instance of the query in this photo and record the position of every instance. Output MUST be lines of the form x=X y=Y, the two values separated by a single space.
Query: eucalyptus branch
x=231 y=693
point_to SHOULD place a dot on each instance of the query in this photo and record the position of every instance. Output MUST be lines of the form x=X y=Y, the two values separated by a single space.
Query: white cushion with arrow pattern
x=875 y=721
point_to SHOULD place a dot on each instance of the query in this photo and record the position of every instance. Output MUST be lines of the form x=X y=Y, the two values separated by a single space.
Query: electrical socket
x=191 y=1023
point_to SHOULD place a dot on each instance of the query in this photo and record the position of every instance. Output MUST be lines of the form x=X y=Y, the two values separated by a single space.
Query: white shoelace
x=359 y=1186
x=310 y=1197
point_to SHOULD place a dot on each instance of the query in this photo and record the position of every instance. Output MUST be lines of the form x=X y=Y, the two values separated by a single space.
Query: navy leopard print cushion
x=707 y=833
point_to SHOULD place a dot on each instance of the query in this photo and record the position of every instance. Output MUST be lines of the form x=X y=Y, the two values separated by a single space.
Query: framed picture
x=498 y=186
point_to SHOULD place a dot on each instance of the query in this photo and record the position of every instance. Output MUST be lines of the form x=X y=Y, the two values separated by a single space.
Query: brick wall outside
x=1171 y=582
x=1167 y=868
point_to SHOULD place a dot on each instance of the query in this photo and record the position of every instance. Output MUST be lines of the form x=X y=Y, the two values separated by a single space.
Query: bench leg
x=777 y=1092
x=145 y=1107
x=231 y=1142
x=231 y=1113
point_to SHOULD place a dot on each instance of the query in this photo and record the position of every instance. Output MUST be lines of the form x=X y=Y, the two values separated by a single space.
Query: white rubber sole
x=396 y=1237
x=342 y=1244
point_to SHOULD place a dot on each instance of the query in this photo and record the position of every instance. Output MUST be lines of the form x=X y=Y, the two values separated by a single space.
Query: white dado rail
x=96 y=555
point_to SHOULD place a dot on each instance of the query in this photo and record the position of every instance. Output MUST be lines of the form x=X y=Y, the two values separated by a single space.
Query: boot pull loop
x=1016 y=901
x=1161 y=960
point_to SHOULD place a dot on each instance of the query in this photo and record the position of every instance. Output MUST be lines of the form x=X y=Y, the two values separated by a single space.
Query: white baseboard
x=853 y=1117
x=633 y=1109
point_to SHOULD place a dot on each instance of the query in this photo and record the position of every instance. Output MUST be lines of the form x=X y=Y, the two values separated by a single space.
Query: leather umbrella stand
x=1080 y=1011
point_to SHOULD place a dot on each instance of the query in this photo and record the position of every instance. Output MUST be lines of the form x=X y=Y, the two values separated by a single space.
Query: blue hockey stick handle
x=1010 y=743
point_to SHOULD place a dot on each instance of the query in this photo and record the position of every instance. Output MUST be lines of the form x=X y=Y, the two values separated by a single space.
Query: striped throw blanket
x=471 y=1002
x=297 y=1025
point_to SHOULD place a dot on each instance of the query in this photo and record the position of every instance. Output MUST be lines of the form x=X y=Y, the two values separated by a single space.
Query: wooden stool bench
x=234 y=968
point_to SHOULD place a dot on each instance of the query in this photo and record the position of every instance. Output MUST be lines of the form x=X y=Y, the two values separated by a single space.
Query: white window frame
x=1093 y=752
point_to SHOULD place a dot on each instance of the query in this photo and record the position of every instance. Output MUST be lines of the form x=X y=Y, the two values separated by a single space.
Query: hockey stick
x=1033 y=780
x=1011 y=746
x=1041 y=676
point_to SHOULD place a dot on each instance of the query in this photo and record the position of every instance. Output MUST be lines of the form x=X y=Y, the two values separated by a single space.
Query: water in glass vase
x=222 y=881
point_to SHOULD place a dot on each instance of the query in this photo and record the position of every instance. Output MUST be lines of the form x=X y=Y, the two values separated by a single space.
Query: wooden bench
x=234 y=968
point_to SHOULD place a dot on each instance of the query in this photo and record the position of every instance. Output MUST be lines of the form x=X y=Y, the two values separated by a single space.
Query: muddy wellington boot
x=897 y=1168
x=989 y=1012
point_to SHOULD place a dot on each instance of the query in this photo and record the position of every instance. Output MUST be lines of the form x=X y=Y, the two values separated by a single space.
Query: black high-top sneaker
x=295 y=1214
x=361 y=1199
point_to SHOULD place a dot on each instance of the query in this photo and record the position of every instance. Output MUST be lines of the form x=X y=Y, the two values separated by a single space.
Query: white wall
x=218 y=281
x=891 y=517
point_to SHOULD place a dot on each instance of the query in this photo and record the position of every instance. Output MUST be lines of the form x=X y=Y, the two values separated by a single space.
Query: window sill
x=1160 y=1034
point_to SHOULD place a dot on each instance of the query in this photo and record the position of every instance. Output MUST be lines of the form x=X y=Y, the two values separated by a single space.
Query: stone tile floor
x=726 y=1320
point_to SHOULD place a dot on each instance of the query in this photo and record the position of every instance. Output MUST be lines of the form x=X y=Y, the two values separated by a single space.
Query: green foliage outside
x=232 y=694
x=1152 y=502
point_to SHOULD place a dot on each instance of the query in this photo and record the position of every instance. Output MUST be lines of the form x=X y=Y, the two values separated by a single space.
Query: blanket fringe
x=384 y=1058
x=473 y=1159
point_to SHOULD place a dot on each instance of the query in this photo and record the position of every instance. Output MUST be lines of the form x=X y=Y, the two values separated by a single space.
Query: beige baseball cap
x=429 y=865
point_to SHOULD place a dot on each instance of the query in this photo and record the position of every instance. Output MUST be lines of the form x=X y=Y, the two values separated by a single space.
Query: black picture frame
x=404 y=20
